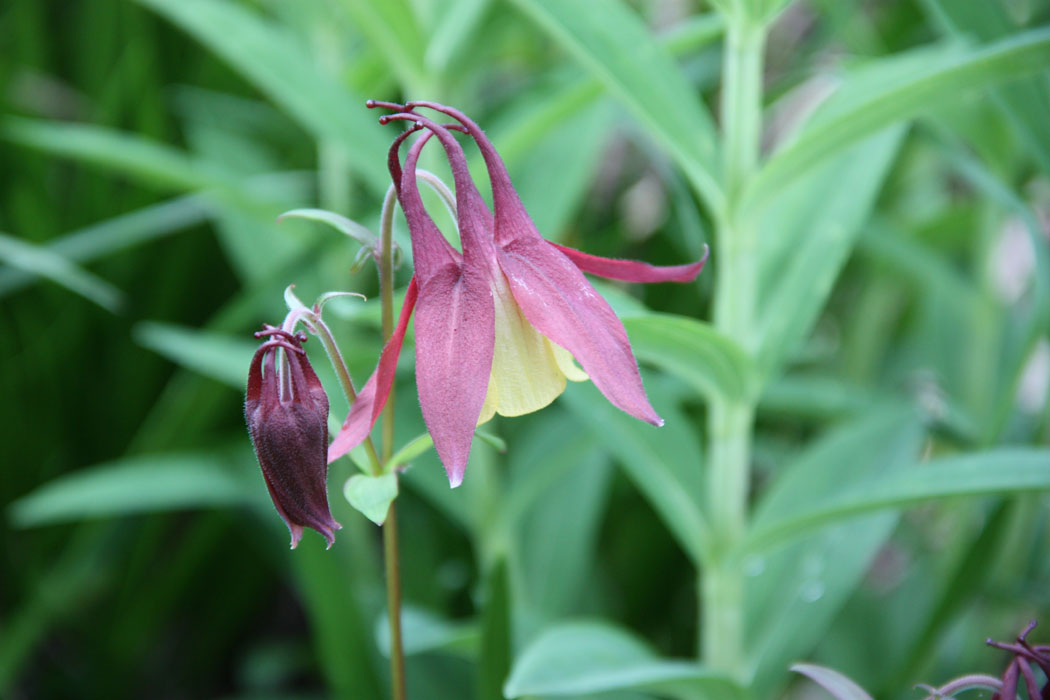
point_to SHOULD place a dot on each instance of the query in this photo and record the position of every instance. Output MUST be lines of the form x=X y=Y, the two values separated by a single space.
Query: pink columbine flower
x=498 y=326
x=287 y=415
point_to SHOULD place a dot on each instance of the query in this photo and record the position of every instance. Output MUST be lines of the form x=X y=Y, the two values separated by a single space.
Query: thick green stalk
x=390 y=548
x=731 y=422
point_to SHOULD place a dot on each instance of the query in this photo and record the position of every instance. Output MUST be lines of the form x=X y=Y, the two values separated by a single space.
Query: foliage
x=893 y=348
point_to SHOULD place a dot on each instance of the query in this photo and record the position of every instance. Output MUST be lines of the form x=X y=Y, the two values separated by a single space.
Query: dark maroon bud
x=287 y=415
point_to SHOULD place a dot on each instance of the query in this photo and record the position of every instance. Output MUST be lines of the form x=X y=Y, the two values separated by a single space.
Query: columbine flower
x=287 y=416
x=1020 y=668
x=498 y=326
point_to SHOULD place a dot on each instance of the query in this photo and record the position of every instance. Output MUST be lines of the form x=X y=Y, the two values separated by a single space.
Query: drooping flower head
x=499 y=327
x=287 y=415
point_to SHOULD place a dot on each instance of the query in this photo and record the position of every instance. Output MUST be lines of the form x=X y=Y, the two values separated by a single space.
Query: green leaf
x=50 y=265
x=275 y=62
x=817 y=396
x=111 y=235
x=806 y=236
x=890 y=90
x=1024 y=103
x=456 y=27
x=557 y=471
x=220 y=356
x=793 y=593
x=840 y=686
x=372 y=495
x=145 y=484
x=999 y=471
x=391 y=27
x=645 y=79
x=665 y=463
x=332 y=586
x=582 y=658
x=340 y=223
x=153 y=162
x=423 y=631
x=709 y=362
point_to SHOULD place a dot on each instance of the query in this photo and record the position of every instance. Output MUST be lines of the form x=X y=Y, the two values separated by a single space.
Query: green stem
x=721 y=592
x=320 y=329
x=393 y=603
x=390 y=546
x=731 y=422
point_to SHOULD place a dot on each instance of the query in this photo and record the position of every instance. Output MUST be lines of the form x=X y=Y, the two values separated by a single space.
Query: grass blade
x=146 y=484
x=48 y=264
x=590 y=657
x=994 y=472
x=274 y=61
x=893 y=89
x=645 y=79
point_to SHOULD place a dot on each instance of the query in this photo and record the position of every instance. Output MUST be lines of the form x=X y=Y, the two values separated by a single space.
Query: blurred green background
x=147 y=148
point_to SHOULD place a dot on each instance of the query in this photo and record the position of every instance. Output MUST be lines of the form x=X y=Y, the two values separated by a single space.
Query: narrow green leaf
x=818 y=396
x=154 y=163
x=592 y=657
x=999 y=471
x=909 y=258
x=663 y=463
x=452 y=35
x=554 y=503
x=423 y=631
x=409 y=451
x=1024 y=103
x=220 y=356
x=884 y=93
x=332 y=586
x=494 y=441
x=146 y=484
x=806 y=236
x=645 y=79
x=391 y=27
x=840 y=686
x=340 y=223
x=50 y=265
x=371 y=495
x=794 y=592
x=100 y=239
x=274 y=61
x=712 y=364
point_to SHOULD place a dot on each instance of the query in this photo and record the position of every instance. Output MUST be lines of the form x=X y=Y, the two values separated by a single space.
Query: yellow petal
x=528 y=370
x=567 y=363
x=525 y=374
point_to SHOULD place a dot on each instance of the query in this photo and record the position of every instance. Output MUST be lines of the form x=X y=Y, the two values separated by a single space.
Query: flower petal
x=525 y=373
x=508 y=207
x=557 y=299
x=475 y=221
x=430 y=250
x=632 y=270
x=372 y=397
x=454 y=346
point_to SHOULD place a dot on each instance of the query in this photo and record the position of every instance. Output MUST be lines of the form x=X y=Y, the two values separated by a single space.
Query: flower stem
x=320 y=329
x=390 y=548
x=393 y=602
x=731 y=422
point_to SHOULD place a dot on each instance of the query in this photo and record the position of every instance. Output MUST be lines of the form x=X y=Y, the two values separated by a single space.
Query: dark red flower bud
x=287 y=415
